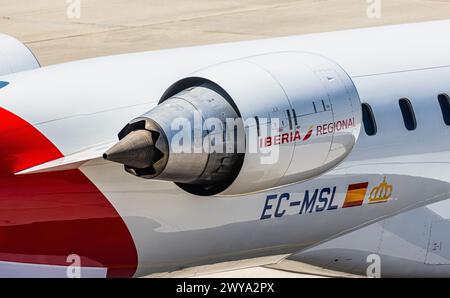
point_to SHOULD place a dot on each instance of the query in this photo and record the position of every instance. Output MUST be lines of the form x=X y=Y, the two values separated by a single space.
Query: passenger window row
x=409 y=118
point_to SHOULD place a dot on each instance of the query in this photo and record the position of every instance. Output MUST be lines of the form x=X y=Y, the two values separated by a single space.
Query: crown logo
x=381 y=193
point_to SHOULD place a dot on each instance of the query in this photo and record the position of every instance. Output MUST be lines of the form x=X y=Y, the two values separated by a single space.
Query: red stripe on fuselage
x=46 y=217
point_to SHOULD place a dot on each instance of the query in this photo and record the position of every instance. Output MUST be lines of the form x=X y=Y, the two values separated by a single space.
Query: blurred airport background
x=64 y=30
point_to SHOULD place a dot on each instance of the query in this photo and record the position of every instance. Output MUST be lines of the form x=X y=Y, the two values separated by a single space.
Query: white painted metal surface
x=88 y=102
x=15 y=56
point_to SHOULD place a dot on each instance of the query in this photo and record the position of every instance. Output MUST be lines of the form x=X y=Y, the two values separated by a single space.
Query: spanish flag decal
x=355 y=195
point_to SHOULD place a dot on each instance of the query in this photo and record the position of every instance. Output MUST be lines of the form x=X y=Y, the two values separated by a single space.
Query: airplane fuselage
x=122 y=225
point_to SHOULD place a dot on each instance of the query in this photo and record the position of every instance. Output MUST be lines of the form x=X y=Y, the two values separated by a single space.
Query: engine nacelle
x=294 y=116
x=15 y=56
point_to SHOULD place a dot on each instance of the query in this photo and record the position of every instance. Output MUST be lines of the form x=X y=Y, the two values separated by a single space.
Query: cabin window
x=370 y=125
x=444 y=102
x=408 y=114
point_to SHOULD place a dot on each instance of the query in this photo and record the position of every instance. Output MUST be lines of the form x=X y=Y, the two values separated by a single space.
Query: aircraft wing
x=72 y=161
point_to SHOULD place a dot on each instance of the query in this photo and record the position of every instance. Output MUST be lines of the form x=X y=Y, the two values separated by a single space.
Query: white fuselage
x=410 y=244
x=81 y=104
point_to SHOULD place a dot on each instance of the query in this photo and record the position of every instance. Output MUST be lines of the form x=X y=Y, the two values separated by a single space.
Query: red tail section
x=46 y=217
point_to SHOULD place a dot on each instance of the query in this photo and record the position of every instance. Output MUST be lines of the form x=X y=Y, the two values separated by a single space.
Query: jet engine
x=246 y=125
x=15 y=56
